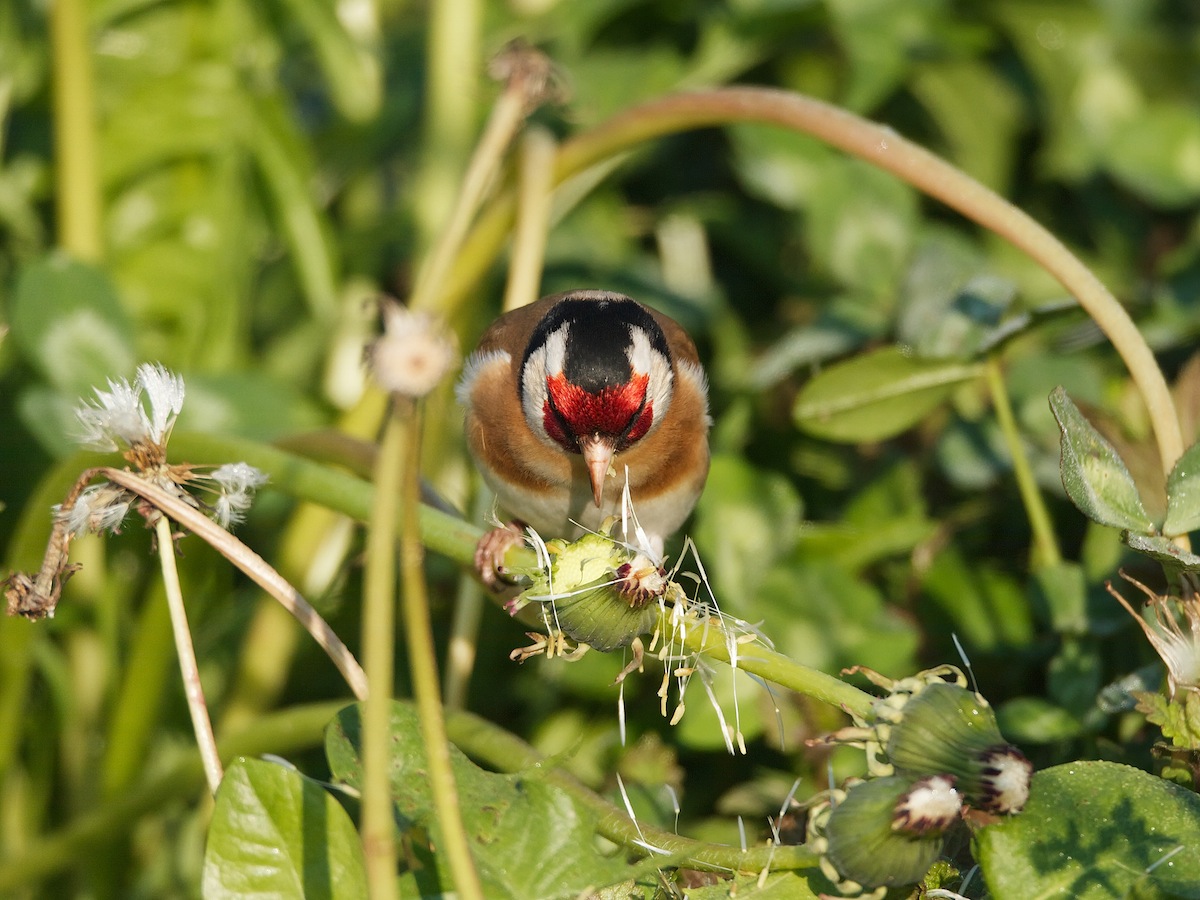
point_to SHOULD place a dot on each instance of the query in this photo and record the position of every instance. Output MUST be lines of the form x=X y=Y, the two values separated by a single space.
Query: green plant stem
x=77 y=195
x=533 y=218
x=418 y=632
x=713 y=640
x=285 y=732
x=877 y=144
x=303 y=479
x=505 y=752
x=456 y=540
x=452 y=91
x=378 y=635
x=188 y=669
x=1046 y=552
x=506 y=118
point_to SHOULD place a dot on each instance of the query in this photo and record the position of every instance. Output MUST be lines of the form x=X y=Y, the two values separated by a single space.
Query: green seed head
x=597 y=591
x=949 y=730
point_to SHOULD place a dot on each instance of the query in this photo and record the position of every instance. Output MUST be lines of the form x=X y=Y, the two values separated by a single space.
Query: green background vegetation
x=237 y=180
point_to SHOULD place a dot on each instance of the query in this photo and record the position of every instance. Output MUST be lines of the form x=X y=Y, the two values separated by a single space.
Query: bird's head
x=596 y=378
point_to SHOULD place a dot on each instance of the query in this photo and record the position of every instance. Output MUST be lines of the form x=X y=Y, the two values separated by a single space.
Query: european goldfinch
x=566 y=398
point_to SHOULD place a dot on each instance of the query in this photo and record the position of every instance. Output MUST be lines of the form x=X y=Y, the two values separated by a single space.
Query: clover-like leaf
x=1096 y=830
x=1094 y=476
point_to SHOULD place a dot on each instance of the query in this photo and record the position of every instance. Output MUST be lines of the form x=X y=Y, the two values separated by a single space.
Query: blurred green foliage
x=263 y=169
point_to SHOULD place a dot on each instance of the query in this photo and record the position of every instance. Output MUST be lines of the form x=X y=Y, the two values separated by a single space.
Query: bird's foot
x=490 y=552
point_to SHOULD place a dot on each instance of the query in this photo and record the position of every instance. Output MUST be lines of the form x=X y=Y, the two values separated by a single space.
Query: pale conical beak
x=597 y=454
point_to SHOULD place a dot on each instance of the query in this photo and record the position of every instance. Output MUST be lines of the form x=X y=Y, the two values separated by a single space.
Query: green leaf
x=1164 y=550
x=1094 y=831
x=1183 y=494
x=277 y=834
x=1093 y=474
x=1032 y=720
x=530 y=840
x=1157 y=154
x=69 y=324
x=877 y=395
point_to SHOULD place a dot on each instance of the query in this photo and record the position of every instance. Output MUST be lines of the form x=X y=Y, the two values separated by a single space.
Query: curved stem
x=881 y=146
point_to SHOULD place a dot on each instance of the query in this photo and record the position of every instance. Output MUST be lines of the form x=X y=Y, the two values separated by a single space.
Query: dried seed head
x=1176 y=642
x=413 y=354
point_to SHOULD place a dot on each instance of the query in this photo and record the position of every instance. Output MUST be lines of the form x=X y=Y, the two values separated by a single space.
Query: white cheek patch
x=645 y=360
x=544 y=362
x=475 y=364
x=694 y=375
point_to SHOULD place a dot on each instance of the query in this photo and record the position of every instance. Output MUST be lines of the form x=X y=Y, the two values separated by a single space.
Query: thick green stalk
x=452 y=90
x=418 y=632
x=325 y=485
x=1046 y=552
x=379 y=629
x=77 y=192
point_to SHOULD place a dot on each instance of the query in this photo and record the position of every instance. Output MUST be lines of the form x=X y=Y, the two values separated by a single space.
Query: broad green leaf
x=277 y=834
x=1093 y=475
x=860 y=224
x=878 y=395
x=253 y=406
x=70 y=326
x=1183 y=494
x=1094 y=831
x=530 y=840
